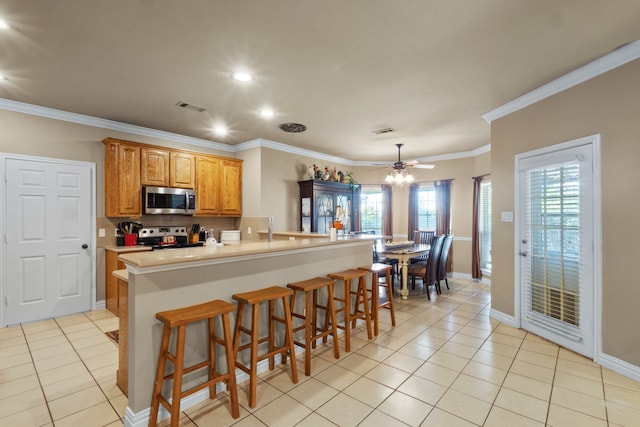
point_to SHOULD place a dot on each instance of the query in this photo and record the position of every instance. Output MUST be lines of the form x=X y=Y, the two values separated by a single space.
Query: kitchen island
x=168 y=279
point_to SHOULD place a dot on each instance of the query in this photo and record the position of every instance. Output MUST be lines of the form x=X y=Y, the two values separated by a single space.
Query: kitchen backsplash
x=109 y=224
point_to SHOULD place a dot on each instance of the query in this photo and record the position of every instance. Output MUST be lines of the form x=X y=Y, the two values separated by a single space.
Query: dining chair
x=422 y=237
x=444 y=258
x=428 y=271
x=389 y=261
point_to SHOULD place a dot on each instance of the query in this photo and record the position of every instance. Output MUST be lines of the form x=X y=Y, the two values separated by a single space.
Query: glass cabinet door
x=324 y=211
x=343 y=211
x=305 y=204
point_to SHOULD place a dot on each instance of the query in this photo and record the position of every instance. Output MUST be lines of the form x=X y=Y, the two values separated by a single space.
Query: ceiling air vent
x=188 y=106
x=293 y=127
x=383 y=130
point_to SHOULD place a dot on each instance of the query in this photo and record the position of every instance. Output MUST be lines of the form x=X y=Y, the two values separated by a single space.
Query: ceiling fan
x=400 y=166
x=399 y=171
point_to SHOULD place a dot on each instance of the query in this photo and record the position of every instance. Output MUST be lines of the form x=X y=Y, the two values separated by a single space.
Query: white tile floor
x=446 y=363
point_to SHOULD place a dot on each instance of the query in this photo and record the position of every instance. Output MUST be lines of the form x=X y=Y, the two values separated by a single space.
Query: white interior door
x=556 y=245
x=48 y=254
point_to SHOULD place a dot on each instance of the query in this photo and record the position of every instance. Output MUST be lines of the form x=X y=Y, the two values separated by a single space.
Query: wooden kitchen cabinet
x=207 y=181
x=130 y=165
x=165 y=168
x=231 y=187
x=122 y=374
x=122 y=188
x=154 y=168
x=111 y=264
x=182 y=170
x=218 y=186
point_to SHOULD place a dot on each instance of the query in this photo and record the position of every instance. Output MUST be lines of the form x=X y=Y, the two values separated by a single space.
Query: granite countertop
x=310 y=235
x=125 y=249
x=167 y=257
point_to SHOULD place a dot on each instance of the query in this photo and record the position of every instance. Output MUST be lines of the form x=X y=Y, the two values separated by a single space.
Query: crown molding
x=82 y=119
x=265 y=143
x=608 y=62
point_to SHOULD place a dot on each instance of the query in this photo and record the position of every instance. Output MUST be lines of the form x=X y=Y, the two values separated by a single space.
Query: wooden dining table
x=403 y=255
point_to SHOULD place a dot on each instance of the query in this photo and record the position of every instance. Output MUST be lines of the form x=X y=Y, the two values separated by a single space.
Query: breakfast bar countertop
x=245 y=249
x=125 y=249
x=314 y=235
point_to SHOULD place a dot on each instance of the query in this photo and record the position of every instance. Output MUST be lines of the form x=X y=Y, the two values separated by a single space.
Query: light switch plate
x=506 y=216
x=102 y=232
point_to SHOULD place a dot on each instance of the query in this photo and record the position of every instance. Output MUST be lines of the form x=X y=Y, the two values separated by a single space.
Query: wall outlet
x=115 y=232
x=248 y=230
x=102 y=232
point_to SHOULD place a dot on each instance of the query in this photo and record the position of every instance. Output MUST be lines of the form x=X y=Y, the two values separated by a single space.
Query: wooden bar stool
x=346 y=277
x=312 y=332
x=377 y=270
x=254 y=298
x=180 y=318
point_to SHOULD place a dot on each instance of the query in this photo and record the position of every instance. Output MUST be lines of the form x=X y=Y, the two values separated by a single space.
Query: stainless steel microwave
x=166 y=200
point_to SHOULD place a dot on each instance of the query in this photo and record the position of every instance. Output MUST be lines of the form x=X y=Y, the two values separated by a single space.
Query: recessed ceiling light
x=267 y=114
x=3 y=25
x=243 y=77
x=220 y=130
x=3 y=77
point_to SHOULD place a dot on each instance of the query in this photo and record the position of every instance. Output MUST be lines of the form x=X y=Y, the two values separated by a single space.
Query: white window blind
x=553 y=296
x=485 y=225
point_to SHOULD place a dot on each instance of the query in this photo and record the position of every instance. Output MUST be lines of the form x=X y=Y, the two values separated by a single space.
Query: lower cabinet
x=111 y=264
x=122 y=376
x=112 y=293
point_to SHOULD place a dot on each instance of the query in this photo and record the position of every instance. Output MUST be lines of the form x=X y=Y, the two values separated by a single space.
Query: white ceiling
x=343 y=68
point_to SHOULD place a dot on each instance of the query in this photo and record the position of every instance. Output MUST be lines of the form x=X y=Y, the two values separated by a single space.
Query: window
x=485 y=226
x=426 y=208
x=371 y=209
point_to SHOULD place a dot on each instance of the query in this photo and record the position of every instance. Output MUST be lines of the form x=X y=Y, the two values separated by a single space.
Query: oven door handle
x=186 y=200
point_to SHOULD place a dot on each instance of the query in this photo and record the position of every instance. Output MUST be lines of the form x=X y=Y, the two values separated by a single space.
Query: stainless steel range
x=166 y=237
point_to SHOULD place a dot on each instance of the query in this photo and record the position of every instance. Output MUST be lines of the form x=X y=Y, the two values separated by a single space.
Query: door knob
x=85 y=246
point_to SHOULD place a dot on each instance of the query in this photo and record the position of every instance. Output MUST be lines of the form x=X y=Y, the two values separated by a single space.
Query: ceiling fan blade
x=423 y=166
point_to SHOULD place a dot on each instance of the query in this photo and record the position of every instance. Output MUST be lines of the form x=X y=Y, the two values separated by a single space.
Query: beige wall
x=608 y=105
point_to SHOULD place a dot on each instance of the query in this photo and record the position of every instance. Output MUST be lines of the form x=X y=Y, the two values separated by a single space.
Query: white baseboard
x=605 y=360
x=619 y=366
x=504 y=318
x=461 y=276
x=102 y=304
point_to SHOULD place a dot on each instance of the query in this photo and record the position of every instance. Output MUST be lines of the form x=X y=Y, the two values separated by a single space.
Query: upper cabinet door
x=155 y=167
x=207 y=183
x=122 y=180
x=182 y=170
x=231 y=188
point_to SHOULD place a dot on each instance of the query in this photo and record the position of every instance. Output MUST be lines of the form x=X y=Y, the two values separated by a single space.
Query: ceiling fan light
x=389 y=179
x=409 y=178
x=399 y=179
